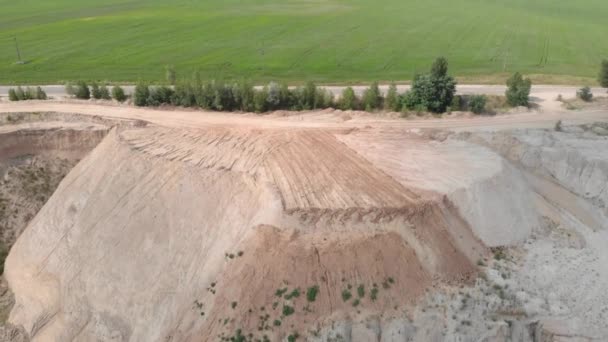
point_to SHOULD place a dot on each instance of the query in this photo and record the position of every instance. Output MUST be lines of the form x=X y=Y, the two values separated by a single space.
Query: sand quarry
x=169 y=225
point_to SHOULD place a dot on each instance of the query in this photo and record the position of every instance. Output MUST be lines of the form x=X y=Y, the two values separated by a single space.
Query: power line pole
x=19 y=61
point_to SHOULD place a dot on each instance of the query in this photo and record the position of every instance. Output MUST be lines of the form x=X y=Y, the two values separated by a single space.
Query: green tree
x=433 y=91
x=603 y=79
x=372 y=99
x=82 y=91
x=119 y=94
x=518 y=90
x=141 y=94
x=348 y=101
x=391 y=102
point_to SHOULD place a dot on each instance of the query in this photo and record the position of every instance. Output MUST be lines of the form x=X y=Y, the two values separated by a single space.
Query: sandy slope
x=185 y=230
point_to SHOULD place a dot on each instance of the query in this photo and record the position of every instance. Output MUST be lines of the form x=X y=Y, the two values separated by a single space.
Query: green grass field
x=329 y=41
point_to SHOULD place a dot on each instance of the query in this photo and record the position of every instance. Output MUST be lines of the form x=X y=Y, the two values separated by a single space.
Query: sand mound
x=186 y=235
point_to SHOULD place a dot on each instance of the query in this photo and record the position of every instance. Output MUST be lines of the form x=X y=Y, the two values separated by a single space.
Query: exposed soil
x=208 y=226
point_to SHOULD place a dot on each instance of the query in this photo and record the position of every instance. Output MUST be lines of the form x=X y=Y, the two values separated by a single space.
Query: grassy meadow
x=329 y=41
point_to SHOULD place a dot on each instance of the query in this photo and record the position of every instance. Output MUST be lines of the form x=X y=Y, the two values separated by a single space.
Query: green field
x=329 y=41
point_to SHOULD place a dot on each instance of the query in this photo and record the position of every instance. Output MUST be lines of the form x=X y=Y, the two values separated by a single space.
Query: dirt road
x=314 y=119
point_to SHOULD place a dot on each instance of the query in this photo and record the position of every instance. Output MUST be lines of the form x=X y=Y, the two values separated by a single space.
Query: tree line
x=434 y=92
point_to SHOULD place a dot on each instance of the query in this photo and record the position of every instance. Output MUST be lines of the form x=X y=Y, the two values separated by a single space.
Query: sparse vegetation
x=374 y=293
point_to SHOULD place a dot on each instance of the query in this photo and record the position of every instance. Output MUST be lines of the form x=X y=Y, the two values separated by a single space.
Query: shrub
x=558 y=126
x=259 y=100
x=346 y=295
x=30 y=93
x=12 y=95
x=311 y=293
x=244 y=96
x=104 y=93
x=82 y=91
x=456 y=104
x=361 y=291
x=603 y=79
x=118 y=94
x=3 y=255
x=141 y=94
x=348 y=101
x=40 y=94
x=433 y=91
x=288 y=310
x=477 y=103
x=391 y=102
x=95 y=91
x=518 y=90
x=69 y=89
x=20 y=94
x=372 y=99
x=585 y=94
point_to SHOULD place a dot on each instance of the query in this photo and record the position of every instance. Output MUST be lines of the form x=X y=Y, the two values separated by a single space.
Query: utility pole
x=19 y=61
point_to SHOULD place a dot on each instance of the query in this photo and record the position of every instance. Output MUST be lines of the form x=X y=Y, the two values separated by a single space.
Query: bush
x=456 y=104
x=603 y=79
x=82 y=91
x=30 y=93
x=477 y=103
x=391 y=102
x=259 y=100
x=141 y=94
x=104 y=93
x=3 y=255
x=518 y=90
x=372 y=99
x=20 y=94
x=558 y=126
x=118 y=94
x=160 y=95
x=40 y=94
x=585 y=94
x=434 y=91
x=95 y=91
x=12 y=95
x=348 y=101
x=69 y=89
x=311 y=293
x=244 y=96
